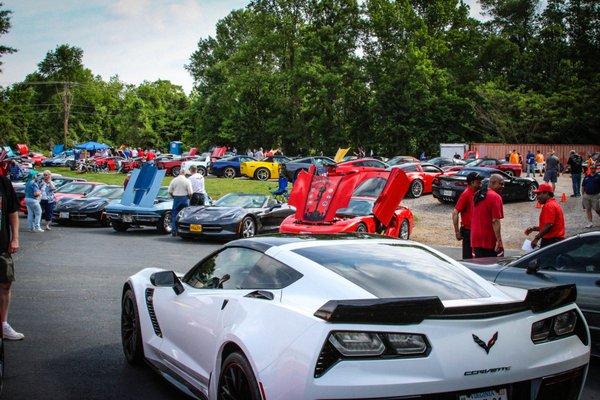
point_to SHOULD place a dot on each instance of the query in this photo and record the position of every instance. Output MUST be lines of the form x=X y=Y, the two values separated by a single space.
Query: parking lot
x=66 y=301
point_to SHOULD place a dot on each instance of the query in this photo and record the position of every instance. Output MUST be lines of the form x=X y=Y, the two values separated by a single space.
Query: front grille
x=150 y=305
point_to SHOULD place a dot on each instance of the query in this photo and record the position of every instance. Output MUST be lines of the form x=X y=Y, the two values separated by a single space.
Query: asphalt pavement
x=66 y=301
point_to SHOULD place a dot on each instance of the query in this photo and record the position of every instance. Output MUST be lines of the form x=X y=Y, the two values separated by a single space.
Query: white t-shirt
x=180 y=186
x=197 y=181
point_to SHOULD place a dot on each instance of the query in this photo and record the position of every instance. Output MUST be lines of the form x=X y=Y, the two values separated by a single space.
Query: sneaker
x=10 y=334
x=38 y=230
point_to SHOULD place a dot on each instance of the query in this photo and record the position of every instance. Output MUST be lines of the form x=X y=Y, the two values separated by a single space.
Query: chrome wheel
x=167 y=222
x=361 y=228
x=509 y=172
x=248 y=227
x=531 y=196
x=416 y=188
x=175 y=171
x=229 y=173
x=262 y=174
x=404 y=230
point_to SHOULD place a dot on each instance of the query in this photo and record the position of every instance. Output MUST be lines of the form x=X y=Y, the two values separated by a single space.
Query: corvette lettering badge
x=489 y=344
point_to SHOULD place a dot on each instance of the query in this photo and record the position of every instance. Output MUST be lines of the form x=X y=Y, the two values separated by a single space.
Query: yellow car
x=263 y=170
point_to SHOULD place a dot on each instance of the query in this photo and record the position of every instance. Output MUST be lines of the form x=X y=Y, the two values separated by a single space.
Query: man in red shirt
x=464 y=207
x=488 y=210
x=551 y=227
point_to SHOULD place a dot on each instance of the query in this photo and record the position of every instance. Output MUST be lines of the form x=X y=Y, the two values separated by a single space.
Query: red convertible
x=510 y=169
x=420 y=176
x=349 y=201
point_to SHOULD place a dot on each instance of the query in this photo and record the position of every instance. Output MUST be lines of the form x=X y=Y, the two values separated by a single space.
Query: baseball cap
x=544 y=188
x=474 y=176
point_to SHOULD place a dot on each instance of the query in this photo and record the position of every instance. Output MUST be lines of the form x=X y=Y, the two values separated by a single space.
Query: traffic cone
x=563 y=198
x=538 y=204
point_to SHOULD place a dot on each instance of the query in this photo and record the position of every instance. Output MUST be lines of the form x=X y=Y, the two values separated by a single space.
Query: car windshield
x=359 y=207
x=75 y=188
x=370 y=188
x=107 y=192
x=241 y=200
x=163 y=192
x=389 y=270
x=408 y=167
x=474 y=163
x=398 y=160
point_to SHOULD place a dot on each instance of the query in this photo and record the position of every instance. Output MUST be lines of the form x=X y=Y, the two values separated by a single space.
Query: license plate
x=446 y=192
x=499 y=394
x=195 y=228
x=127 y=218
x=63 y=215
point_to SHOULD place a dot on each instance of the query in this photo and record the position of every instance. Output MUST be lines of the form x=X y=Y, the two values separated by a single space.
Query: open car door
x=392 y=194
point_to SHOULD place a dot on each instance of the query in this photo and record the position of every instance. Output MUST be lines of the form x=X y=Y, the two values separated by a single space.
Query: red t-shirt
x=150 y=156
x=552 y=214
x=464 y=206
x=488 y=209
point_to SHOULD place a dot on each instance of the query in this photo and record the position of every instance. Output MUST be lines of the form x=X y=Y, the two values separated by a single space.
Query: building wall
x=499 y=150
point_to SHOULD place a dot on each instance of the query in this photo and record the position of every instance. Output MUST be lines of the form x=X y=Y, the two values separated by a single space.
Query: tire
x=236 y=380
x=131 y=334
x=120 y=226
x=175 y=171
x=362 y=228
x=404 y=232
x=229 y=173
x=164 y=223
x=262 y=174
x=416 y=189
x=509 y=173
x=248 y=227
x=202 y=171
x=530 y=195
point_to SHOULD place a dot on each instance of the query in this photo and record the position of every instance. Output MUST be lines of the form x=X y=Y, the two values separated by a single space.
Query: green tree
x=4 y=28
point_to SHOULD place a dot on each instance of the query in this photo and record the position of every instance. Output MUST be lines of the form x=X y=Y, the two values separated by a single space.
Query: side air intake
x=150 y=305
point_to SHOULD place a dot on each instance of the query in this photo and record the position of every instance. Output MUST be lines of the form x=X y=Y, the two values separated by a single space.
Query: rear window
x=396 y=270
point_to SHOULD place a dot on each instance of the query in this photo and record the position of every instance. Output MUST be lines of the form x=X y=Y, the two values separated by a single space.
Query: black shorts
x=7 y=268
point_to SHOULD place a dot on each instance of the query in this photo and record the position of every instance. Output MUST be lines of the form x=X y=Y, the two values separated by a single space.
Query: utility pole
x=67 y=110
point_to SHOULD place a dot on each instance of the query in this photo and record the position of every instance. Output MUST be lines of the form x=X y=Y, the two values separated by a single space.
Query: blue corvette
x=229 y=167
x=144 y=203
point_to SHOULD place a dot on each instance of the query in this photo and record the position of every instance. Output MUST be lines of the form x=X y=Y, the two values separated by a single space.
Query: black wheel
x=416 y=189
x=229 y=172
x=237 y=381
x=531 y=196
x=175 y=171
x=361 y=228
x=404 y=232
x=262 y=174
x=120 y=226
x=202 y=171
x=248 y=227
x=131 y=335
x=164 y=223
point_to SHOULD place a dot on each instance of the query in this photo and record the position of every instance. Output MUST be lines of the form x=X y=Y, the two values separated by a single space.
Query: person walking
x=514 y=157
x=486 y=227
x=464 y=208
x=552 y=169
x=551 y=228
x=181 y=190
x=591 y=194
x=48 y=200
x=9 y=245
x=198 y=190
x=576 y=165
x=539 y=162
x=32 y=201
x=530 y=163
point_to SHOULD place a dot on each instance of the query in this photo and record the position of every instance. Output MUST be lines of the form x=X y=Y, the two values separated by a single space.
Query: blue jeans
x=34 y=213
x=179 y=202
x=530 y=169
x=576 y=178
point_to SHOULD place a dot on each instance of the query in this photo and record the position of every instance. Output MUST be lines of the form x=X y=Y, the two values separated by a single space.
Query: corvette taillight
x=558 y=327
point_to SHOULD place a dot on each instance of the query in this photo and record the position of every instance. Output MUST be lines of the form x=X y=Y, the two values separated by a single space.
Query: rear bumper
x=446 y=193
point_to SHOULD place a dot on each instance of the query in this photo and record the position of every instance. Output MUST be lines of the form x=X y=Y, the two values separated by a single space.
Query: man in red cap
x=551 y=228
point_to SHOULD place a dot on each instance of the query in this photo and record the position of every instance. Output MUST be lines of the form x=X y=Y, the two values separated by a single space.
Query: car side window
x=269 y=273
x=581 y=256
x=487 y=162
x=431 y=169
x=225 y=270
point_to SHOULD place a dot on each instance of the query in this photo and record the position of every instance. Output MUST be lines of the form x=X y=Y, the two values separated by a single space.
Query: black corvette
x=89 y=208
x=233 y=215
x=293 y=168
x=447 y=188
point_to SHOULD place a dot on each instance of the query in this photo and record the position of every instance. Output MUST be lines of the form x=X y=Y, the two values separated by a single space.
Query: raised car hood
x=143 y=186
x=317 y=197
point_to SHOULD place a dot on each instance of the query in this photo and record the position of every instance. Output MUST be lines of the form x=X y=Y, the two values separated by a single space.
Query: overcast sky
x=135 y=39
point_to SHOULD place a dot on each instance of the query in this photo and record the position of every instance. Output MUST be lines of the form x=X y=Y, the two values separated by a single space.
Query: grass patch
x=216 y=187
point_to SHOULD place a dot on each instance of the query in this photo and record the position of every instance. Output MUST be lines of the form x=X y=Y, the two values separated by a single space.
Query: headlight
x=556 y=327
x=93 y=206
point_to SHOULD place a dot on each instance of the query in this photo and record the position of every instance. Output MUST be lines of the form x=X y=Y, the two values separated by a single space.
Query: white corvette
x=351 y=317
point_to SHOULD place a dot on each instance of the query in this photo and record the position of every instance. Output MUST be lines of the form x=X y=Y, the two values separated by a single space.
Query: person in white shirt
x=198 y=190
x=134 y=153
x=181 y=190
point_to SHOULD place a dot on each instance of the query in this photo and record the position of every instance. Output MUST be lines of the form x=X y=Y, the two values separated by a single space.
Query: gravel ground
x=433 y=220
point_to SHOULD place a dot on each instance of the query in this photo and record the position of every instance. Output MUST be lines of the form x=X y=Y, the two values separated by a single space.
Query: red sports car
x=510 y=169
x=130 y=164
x=420 y=176
x=173 y=166
x=350 y=201
x=363 y=162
